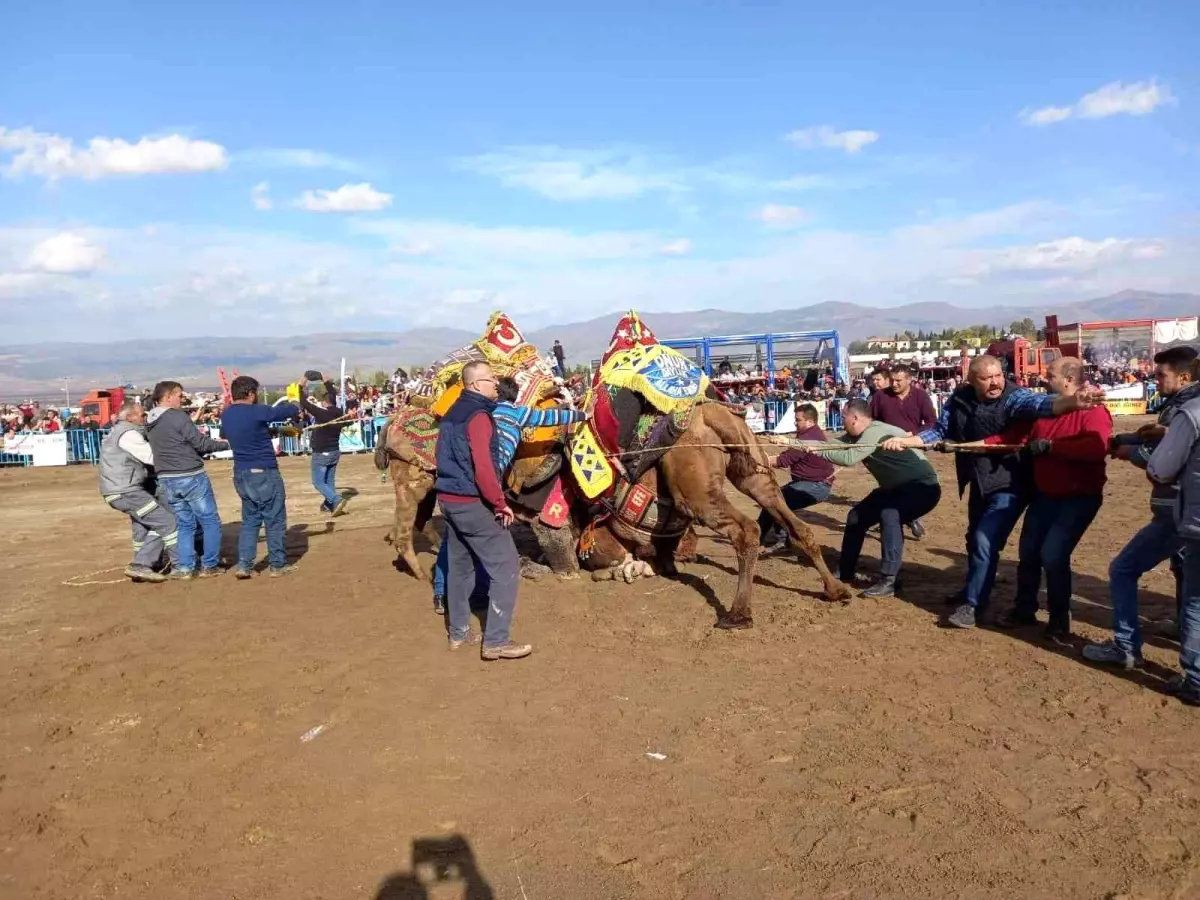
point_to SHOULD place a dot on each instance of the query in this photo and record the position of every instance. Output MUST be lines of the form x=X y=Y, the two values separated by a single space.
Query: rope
x=71 y=582
x=832 y=445
x=340 y=420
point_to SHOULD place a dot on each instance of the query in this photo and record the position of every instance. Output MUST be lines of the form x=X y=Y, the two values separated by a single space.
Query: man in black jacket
x=179 y=451
x=323 y=440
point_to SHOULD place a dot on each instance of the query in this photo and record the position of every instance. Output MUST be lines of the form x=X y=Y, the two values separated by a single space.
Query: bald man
x=999 y=491
x=1069 y=456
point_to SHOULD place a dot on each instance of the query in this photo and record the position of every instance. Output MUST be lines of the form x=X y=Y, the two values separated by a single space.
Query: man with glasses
x=477 y=517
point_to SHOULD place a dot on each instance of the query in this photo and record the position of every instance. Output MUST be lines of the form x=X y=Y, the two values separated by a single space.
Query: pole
x=67 y=388
x=342 y=386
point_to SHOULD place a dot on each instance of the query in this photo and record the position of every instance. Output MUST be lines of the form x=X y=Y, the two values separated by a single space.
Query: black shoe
x=1016 y=618
x=963 y=617
x=439 y=605
x=884 y=587
x=1188 y=694
x=1058 y=633
x=917 y=529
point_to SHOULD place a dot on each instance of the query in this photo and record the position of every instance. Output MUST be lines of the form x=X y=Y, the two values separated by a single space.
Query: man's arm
x=1171 y=455
x=282 y=412
x=789 y=458
x=529 y=417
x=135 y=444
x=1016 y=433
x=479 y=435
x=200 y=442
x=1025 y=404
x=852 y=455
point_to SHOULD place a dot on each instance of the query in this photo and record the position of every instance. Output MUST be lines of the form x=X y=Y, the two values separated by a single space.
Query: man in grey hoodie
x=1176 y=461
x=179 y=450
x=1158 y=540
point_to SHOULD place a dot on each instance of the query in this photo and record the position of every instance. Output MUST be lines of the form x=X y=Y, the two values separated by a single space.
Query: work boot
x=141 y=574
x=885 y=586
x=211 y=572
x=280 y=571
x=917 y=529
x=473 y=637
x=1058 y=632
x=1016 y=618
x=339 y=508
x=1111 y=654
x=180 y=575
x=510 y=650
x=439 y=605
x=963 y=617
x=241 y=574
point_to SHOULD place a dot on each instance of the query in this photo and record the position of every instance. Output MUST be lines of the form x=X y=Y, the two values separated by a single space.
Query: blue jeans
x=324 y=470
x=990 y=520
x=1157 y=541
x=441 y=573
x=797 y=495
x=1053 y=528
x=192 y=500
x=1189 y=616
x=263 y=499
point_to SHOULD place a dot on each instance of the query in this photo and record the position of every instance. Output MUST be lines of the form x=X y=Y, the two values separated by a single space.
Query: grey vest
x=120 y=472
x=1187 y=512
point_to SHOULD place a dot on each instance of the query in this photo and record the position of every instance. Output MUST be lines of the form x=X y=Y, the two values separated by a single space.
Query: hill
x=39 y=369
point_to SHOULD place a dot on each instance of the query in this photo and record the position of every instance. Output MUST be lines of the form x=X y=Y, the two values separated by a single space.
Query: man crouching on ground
x=477 y=517
x=127 y=485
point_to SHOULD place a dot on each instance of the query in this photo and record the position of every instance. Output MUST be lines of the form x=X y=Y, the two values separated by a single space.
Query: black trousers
x=890 y=509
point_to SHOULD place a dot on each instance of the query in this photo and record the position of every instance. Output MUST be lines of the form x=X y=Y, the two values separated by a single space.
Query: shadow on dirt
x=438 y=861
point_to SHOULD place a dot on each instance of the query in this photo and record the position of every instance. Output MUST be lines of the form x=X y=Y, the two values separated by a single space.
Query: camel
x=716 y=446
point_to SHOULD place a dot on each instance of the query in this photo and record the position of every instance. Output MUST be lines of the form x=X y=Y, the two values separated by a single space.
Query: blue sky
x=266 y=168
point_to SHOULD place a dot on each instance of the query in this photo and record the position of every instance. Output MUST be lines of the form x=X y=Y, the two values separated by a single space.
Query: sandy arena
x=311 y=737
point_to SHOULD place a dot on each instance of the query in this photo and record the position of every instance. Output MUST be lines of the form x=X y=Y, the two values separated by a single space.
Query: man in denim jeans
x=1158 y=540
x=325 y=449
x=179 y=449
x=256 y=474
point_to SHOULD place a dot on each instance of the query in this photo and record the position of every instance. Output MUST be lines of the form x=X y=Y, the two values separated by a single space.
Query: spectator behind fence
x=326 y=451
x=127 y=485
x=907 y=407
x=256 y=474
x=179 y=451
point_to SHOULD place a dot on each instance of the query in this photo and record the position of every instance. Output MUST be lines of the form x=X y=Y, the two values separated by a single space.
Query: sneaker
x=209 y=573
x=1111 y=654
x=1015 y=618
x=884 y=587
x=1058 y=633
x=279 y=572
x=180 y=575
x=339 y=508
x=145 y=574
x=511 y=650
x=241 y=574
x=473 y=637
x=917 y=529
x=439 y=605
x=963 y=617
x=1178 y=687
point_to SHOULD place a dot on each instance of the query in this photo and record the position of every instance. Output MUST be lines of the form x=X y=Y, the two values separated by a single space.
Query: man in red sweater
x=906 y=406
x=812 y=477
x=1069 y=455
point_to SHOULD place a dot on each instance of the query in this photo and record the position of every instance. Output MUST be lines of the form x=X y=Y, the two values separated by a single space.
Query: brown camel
x=716 y=446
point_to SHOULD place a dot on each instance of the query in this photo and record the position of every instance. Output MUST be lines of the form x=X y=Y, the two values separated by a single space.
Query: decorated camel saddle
x=641 y=400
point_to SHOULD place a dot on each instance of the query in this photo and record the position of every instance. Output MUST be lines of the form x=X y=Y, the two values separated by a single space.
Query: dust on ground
x=311 y=737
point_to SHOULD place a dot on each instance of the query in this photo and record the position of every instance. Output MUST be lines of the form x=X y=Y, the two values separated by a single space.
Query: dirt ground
x=158 y=740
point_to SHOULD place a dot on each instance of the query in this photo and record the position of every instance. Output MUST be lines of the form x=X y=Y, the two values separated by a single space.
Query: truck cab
x=99 y=406
x=1021 y=358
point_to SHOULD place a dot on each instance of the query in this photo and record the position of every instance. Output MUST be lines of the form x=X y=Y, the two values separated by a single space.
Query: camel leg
x=559 y=546
x=706 y=500
x=764 y=490
x=407 y=503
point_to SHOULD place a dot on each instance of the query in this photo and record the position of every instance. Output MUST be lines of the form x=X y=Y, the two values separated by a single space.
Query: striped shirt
x=510 y=419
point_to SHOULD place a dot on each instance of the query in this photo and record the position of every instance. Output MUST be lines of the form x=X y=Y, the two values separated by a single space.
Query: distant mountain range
x=39 y=369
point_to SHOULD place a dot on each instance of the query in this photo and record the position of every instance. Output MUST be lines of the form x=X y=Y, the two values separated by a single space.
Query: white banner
x=754 y=419
x=46 y=449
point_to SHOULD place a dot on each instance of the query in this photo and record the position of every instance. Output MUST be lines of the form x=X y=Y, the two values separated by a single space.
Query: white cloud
x=285 y=158
x=679 y=247
x=260 y=196
x=65 y=254
x=1138 y=99
x=347 y=198
x=830 y=137
x=777 y=214
x=471 y=244
x=1066 y=254
x=52 y=156
x=562 y=174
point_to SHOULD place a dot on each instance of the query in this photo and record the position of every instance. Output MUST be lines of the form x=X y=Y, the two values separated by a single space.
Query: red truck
x=100 y=406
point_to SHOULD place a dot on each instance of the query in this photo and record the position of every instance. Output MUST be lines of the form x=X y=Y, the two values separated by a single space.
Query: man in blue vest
x=477 y=517
x=999 y=484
